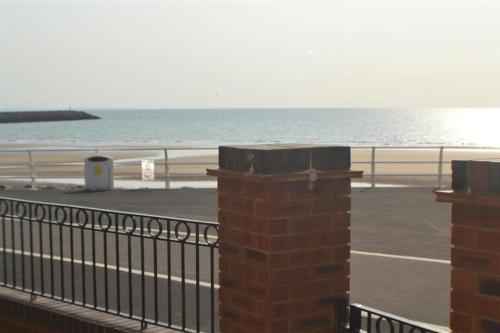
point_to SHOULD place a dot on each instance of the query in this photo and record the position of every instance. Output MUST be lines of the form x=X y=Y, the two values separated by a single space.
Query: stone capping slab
x=476 y=176
x=462 y=197
x=76 y=317
x=284 y=158
x=285 y=177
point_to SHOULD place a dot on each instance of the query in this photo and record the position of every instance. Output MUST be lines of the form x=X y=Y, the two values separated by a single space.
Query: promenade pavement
x=400 y=240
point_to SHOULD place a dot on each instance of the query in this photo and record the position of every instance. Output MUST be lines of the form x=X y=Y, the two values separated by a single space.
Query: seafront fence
x=410 y=166
x=153 y=269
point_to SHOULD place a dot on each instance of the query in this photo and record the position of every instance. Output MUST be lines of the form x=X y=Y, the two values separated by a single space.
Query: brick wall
x=19 y=314
x=284 y=242
x=475 y=254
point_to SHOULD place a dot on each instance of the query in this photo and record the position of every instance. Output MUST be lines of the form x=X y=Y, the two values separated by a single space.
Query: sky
x=249 y=54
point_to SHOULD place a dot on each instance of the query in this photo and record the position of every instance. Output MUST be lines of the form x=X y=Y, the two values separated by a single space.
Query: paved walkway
x=400 y=240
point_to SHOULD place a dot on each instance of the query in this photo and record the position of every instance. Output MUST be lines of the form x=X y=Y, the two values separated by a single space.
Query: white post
x=32 y=171
x=440 y=167
x=373 y=167
x=167 y=171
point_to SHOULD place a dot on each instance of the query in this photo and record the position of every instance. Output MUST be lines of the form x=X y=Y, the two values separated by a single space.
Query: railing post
x=373 y=168
x=32 y=170
x=354 y=319
x=341 y=315
x=167 y=171
x=440 y=167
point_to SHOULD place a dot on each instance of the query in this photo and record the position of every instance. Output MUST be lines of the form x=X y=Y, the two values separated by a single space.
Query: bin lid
x=98 y=158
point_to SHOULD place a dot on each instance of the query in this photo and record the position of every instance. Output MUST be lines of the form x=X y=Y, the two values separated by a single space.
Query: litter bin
x=99 y=173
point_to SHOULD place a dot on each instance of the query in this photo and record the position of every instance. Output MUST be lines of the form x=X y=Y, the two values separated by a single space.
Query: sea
x=211 y=127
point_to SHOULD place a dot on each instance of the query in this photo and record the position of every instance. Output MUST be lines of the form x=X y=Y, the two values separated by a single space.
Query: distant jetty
x=37 y=116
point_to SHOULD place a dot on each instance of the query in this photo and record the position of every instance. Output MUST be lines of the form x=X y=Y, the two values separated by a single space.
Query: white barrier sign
x=148 y=169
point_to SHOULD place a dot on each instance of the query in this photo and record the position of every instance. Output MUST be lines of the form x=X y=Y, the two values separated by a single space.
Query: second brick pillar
x=475 y=253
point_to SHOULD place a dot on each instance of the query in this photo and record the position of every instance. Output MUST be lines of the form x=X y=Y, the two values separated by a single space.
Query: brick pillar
x=284 y=214
x=475 y=253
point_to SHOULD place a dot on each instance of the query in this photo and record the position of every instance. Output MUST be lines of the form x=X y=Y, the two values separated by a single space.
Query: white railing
x=159 y=154
x=376 y=162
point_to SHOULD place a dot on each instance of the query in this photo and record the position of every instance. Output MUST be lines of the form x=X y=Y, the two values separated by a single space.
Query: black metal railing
x=366 y=319
x=154 y=269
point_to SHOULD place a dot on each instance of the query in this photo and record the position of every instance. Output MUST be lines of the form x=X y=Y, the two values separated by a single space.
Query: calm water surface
x=470 y=127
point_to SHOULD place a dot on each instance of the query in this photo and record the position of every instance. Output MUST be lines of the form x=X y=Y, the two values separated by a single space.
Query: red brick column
x=475 y=254
x=284 y=214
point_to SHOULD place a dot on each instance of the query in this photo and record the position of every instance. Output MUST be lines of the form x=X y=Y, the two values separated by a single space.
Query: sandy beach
x=392 y=164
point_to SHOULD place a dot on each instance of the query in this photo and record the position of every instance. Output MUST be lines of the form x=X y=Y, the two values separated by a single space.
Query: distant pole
x=32 y=170
x=440 y=167
x=167 y=171
x=373 y=167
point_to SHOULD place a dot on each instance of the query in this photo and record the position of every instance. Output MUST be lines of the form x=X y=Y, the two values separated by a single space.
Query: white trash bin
x=99 y=173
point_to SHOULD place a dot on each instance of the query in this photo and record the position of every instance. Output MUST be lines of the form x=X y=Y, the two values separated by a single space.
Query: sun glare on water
x=478 y=126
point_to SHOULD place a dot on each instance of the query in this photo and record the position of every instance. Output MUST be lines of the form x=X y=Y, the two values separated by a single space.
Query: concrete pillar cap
x=284 y=158
x=476 y=176
x=475 y=182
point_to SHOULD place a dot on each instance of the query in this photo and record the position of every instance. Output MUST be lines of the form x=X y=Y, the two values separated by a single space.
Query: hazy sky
x=249 y=54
